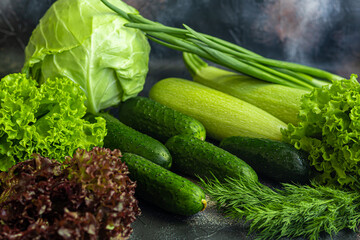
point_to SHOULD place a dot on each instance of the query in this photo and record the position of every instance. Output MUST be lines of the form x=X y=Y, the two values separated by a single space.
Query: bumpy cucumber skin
x=122 y=137
x=157 y=120
x=198 y=158
x=275 y=160
x=164 y=188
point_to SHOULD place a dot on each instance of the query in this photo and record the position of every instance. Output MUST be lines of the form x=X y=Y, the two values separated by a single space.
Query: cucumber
x=221 y=114
x=157 y=120
x=275 y=160
x=203 y=159
x=164 y=188
x=126 y=139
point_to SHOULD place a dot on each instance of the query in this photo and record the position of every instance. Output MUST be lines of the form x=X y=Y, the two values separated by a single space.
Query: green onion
x=228 y=54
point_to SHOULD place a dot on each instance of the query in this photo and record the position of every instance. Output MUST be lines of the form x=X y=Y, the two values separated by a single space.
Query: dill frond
x=292 y=211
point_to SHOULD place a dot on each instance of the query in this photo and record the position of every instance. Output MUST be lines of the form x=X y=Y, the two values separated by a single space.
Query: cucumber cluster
x=163 y=147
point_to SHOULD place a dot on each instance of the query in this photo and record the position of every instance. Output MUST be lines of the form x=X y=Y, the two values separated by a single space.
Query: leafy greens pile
x=90 y=197
x=329 y=129
x=86 y=42
x=47 y=120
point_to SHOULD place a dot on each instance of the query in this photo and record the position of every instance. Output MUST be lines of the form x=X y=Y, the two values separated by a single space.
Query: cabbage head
x=87 y=42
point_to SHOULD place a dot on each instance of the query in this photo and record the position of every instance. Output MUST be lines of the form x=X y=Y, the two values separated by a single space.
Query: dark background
x=320 y=33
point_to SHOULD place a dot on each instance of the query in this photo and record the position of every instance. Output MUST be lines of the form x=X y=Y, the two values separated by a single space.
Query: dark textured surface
x=18 y=18
x=323 y=33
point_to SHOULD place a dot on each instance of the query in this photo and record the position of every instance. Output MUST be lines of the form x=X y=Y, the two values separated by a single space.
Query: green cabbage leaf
x=329 y=130
x=46 y=120
x=88 y=43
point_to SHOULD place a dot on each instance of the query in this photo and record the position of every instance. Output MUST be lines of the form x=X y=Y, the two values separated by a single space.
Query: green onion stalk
x=227 y=54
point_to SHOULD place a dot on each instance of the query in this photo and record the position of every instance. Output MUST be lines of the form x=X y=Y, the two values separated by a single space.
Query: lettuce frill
x=46 y=120
x=329 y=130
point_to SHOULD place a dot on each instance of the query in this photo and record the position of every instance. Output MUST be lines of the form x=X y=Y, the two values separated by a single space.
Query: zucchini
x=221 y=114
x=126 y=139
x=281 y=101
x=157 y=120
x=194 y=157
x=275 y=160
x=164 y=188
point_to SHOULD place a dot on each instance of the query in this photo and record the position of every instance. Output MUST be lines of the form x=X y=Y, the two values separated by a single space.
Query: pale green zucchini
x=221 y=114
x=281 y=101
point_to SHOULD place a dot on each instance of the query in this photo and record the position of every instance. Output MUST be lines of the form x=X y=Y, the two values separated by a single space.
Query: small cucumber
x=194 y=157
x=221 y=114
x=275 y=160
x=164 y=188
x=122 y=137
x=157 y=120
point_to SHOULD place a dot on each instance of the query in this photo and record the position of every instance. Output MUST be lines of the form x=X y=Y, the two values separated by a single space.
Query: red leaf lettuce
x=89 y=196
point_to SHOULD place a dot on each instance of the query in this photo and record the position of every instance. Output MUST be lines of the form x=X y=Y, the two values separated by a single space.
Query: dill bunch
x=292 y=211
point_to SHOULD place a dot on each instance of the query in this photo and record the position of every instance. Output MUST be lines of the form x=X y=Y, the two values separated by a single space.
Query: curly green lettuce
x=46 y=120
x=329 y=130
